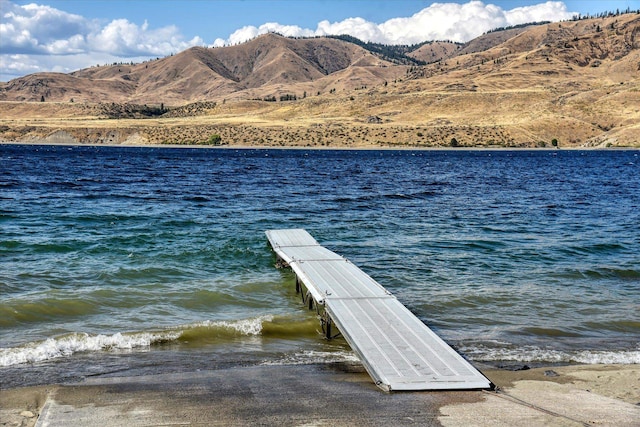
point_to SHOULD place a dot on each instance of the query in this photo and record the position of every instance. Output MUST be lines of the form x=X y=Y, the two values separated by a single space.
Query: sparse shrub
x=454 y=143
x=214 y=139
x=554 y=142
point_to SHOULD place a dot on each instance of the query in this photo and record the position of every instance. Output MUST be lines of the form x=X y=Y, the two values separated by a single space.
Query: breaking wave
x=67 y=345
x=532 y=354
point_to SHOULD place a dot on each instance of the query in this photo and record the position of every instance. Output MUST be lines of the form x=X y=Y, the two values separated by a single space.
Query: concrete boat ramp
x=397 y=349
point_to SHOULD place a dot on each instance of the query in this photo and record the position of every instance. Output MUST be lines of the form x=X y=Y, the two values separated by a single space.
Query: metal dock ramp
x=397 y=349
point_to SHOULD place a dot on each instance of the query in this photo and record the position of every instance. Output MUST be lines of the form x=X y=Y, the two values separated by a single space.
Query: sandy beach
x=334 y=394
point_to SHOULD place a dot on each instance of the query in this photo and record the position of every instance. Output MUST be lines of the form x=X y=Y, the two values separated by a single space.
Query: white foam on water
x=249 y=327
x=313 y=356
x=607 y=357
x=541 y=355
x=66 y=346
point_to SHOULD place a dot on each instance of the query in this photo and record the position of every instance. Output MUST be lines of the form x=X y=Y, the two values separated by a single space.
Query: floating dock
x=397 y=349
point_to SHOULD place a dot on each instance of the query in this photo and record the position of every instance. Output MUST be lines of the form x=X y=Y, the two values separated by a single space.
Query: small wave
x=594 y=249
x=479 y=244
x=13 y=313
x=549 y=332
x=409 y=196
x=66 y=346
x=224 y=328
x=425 y=194
x=201 y=199
x=53 y=248
x=601 y=273
x=311 y=357
x=530 y=354
x=616 y=273
x=64 y=184
x=10 y=184
x=9 y=244
x=623 y=326
x=270 y=327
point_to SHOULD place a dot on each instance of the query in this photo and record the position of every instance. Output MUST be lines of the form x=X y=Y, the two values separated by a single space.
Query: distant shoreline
x=316 y=148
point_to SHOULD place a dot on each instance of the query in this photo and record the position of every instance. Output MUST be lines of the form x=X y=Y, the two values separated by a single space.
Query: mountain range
x=582 y=73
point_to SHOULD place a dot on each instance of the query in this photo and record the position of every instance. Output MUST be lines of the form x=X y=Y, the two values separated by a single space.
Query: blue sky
x=218 y=19
x=65 y=35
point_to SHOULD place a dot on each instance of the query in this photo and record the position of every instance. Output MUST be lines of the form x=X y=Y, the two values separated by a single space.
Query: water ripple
x=535 y=249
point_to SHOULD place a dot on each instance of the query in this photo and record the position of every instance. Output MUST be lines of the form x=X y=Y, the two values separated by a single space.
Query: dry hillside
x=436 y=51
x=574 y=82
x=270 y=65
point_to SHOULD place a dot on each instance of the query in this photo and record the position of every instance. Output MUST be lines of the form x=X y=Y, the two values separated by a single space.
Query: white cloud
x=439 y=21
x=35 y=38
x=356 y=27
x=35 y=29
x=19 y=64
x=123 y=38
x=451 y=21
x=249 y=32
x=549 y=11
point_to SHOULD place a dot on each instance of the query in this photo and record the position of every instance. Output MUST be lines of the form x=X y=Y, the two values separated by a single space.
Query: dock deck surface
x=398 y=350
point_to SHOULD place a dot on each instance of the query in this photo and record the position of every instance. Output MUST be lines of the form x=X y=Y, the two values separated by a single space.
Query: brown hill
x=575 y=82
x=492 y=39
x=268 y=65
x=436 y=51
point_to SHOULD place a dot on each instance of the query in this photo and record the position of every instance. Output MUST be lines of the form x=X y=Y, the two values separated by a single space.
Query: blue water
x=121 y=259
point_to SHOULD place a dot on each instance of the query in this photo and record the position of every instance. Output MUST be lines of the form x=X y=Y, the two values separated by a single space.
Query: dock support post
x=327 y=332
x=327 y=326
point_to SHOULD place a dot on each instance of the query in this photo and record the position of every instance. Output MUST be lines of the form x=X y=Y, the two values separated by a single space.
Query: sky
x=67 y=35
